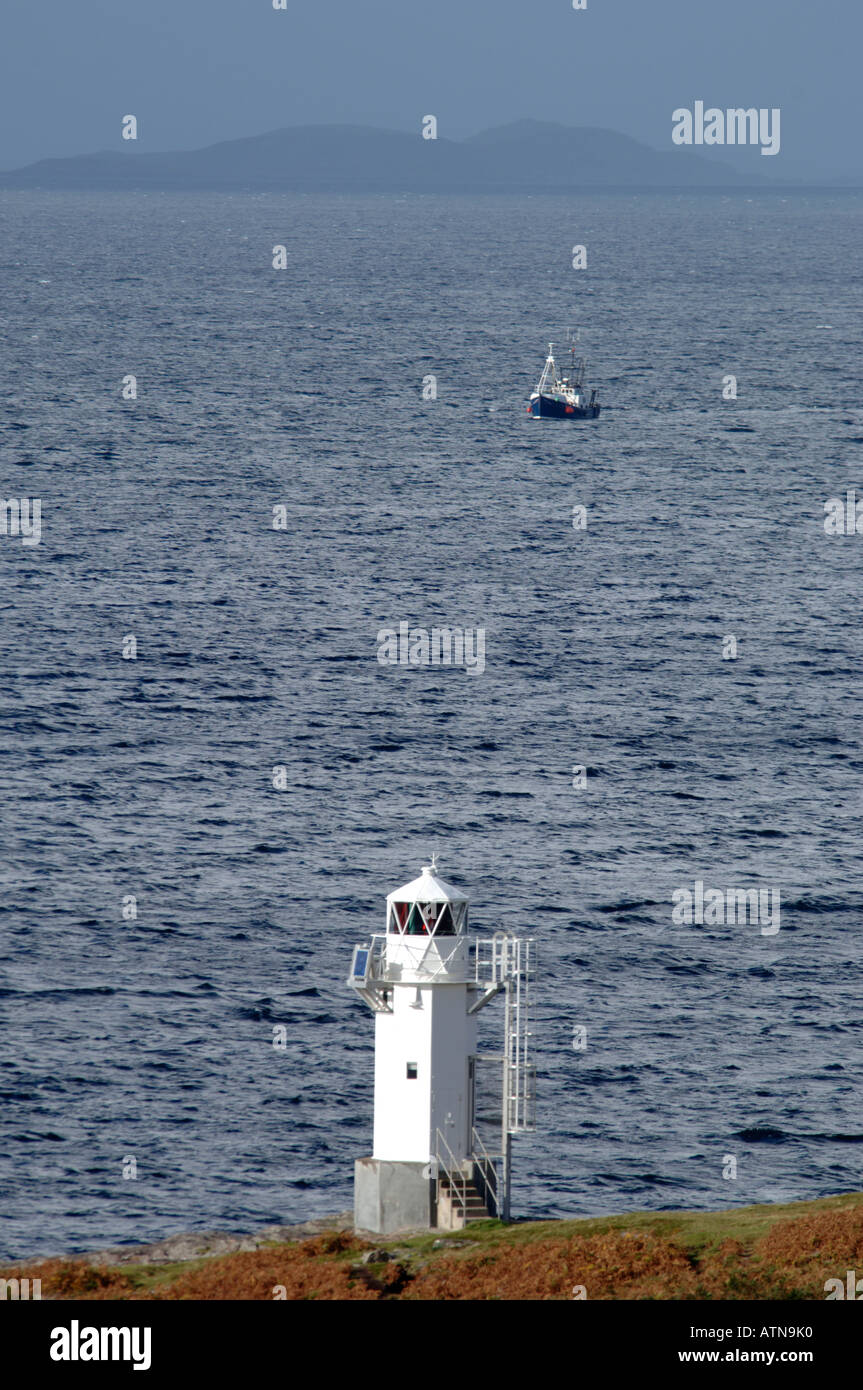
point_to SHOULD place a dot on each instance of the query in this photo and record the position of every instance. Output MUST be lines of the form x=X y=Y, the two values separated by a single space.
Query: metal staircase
x=477 y=1187
x=467 y=1190
x=456 y=1209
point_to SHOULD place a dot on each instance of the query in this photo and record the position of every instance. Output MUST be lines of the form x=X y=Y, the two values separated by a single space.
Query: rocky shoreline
x=196 y=1245
x=781 y=1252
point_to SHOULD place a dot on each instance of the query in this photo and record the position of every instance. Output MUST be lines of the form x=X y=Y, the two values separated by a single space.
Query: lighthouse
x=444 y=1112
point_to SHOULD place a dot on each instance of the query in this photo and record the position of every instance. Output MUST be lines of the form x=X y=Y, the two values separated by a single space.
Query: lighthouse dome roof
x=428 y=888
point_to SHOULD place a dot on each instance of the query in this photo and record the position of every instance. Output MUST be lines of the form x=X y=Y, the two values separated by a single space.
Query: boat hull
x=549 y=408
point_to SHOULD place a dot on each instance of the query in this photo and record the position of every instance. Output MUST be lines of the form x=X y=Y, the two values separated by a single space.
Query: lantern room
x=427 y=907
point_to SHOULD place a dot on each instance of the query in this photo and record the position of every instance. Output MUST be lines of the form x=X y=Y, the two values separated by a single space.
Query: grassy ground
x=784 y=1252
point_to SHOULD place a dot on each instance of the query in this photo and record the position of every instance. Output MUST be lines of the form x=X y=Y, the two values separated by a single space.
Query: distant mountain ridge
x=525 y=156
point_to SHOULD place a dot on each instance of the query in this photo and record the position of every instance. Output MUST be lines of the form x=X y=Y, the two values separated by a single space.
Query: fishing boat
x=563 y=397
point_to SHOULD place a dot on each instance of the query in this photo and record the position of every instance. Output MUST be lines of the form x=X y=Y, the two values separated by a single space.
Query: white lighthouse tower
x=439 y=1159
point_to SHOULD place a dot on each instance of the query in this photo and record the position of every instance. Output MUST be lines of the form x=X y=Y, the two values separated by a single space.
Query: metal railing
x=488 y=1170
x=429 y=956
x=453 y=1171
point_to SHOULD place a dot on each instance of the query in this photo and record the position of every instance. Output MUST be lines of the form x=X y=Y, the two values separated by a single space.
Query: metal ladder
x=512 y=963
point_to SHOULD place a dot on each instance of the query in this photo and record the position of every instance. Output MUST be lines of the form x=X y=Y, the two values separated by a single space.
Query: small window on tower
x=412 y=1071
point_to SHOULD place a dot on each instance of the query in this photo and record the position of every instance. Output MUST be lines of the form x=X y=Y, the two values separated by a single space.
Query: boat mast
x=549 y=373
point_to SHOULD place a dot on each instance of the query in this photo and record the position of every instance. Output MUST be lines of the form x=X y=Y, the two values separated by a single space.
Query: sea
x=211 y=782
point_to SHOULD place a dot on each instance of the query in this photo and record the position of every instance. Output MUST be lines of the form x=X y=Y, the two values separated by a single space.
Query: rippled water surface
x=152 y=1038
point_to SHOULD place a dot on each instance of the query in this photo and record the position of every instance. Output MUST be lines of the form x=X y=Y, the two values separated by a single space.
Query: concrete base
x=392 y=1196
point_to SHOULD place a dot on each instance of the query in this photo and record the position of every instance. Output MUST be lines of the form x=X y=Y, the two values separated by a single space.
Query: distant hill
x=527 y=156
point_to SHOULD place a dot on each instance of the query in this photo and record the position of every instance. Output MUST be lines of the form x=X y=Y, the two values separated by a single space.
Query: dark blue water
x=152 y=1038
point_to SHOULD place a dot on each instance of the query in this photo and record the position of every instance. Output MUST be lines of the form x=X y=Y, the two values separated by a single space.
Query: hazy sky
x=197 y=71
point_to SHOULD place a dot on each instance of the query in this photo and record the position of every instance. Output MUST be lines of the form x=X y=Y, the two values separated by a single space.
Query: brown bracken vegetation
x=74 y=1279
x=750 y=1253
